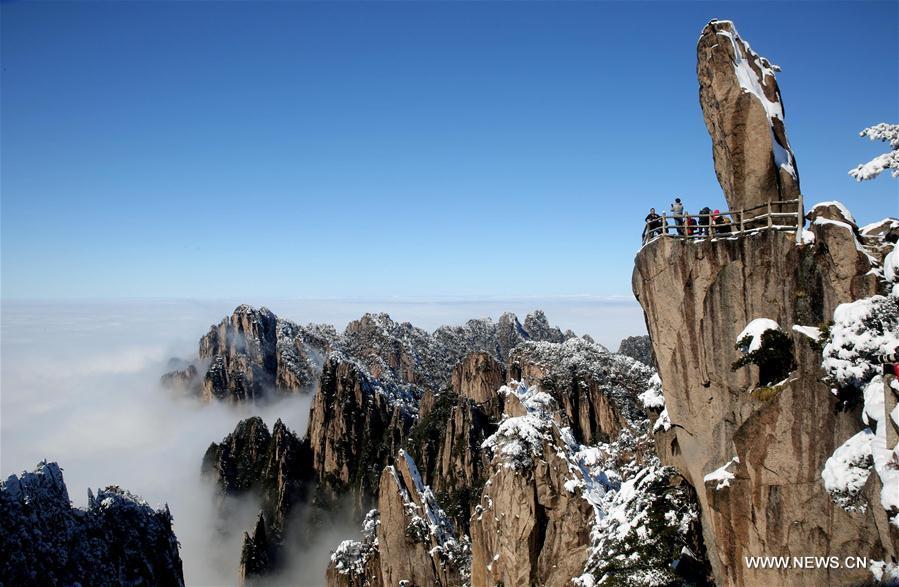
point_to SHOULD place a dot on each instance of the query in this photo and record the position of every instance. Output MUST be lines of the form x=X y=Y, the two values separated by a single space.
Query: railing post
x=800 y=220
x=664 y=225
x=742 y=222
x=770 y=220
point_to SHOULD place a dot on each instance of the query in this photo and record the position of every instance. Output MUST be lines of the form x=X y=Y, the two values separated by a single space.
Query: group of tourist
x=706 y=223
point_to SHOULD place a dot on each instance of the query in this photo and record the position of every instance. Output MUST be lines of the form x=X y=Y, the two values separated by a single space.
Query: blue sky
x=244 y=150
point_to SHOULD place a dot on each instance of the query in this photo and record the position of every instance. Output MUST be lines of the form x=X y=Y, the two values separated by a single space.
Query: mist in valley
x=79 y=385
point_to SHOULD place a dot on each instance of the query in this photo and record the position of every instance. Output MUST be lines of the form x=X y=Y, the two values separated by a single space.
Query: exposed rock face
x=543 y=460
x=450 y=430
x=357 y=424
x=408 y=540
x=593 y=387
x=529 y=530
x=257 y=554
x=477 y=377
x=638 y=347
x=181 y=379
x=417 y=542
x=540 y=507
x=756 y=457
x=553 y=510
x=276 y=466
x=253 y=351
x=744 y=115
x=119 y=539
x=538 y=328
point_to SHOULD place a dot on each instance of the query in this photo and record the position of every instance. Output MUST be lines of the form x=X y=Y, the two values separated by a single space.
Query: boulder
x=833 y=211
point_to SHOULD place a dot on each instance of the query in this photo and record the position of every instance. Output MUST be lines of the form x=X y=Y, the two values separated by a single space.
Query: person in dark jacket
x=704 y=221
x=653 y=225
x=722 y=223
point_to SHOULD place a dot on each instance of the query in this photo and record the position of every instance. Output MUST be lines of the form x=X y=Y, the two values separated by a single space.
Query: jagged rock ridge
x=275 y=466
x=382 y=386
x=253 y=351
x=118 y=539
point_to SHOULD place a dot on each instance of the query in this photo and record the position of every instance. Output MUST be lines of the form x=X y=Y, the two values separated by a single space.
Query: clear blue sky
x=237 y=149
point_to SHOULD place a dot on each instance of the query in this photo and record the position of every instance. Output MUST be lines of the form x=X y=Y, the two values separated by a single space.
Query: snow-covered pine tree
x=880 y=132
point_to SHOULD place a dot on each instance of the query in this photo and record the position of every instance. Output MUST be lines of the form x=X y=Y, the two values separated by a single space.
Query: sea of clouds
x=79 y=385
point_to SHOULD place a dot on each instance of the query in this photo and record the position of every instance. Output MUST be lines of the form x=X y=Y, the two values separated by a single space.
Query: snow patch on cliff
x=519 y=439
x=721 y=476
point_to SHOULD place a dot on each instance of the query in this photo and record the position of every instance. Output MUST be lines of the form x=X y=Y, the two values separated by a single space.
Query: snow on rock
x=880 y=227
x=653 y=398
x=352 y=556
x=891 y=266
x=862 y=331
x=821 y=221
x=754 y=331
x=663 y=423
x=885 y=573
x=253 y=350
x=818 y=208
x=519 y=439
x=721 y=476
x=424 y=523
x=847 y=470
x=752 y=82
x=578 y=363
x=813 y=332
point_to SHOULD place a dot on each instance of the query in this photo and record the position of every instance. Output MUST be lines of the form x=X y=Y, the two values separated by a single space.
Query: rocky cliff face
x=755 y=453
x=510 y=474
x=744 y=115
x=118 y=539
x=594 y=388
x=638 y=347
x=407 y=540
x=381 y=386
x=253 y=351
x=274 y=466
x=357 y=424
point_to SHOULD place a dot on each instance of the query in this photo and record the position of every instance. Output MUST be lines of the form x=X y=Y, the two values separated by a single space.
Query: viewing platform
x=782 y=215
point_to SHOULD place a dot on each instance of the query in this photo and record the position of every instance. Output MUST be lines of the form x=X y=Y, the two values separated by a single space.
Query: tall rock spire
x=744 y=114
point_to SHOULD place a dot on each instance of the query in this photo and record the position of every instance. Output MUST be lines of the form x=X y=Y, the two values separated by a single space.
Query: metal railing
x=729 y=223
